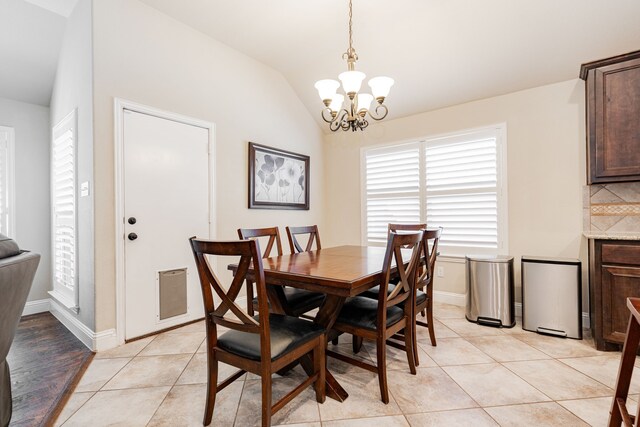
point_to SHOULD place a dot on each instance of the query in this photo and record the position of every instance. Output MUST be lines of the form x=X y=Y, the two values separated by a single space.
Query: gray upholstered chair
x=17 y=269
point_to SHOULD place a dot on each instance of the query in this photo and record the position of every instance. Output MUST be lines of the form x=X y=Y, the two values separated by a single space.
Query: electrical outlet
x=440 y=272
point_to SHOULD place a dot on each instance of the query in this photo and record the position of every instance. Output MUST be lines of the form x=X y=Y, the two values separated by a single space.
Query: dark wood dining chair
x=392 y=312
x=295 y=302
x=424 y=282
x=314 y=236
x=261 y=344
x=619 y=413
x=274 y=238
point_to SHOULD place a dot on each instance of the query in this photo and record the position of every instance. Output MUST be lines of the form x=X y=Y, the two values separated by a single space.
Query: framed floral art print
x=278 y=179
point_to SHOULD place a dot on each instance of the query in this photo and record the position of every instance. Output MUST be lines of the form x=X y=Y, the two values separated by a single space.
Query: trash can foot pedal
x=554 y=332
x=487 y=321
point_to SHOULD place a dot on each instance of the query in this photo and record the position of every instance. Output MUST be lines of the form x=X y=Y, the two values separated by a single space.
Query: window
x=454 y=181
x=63 y=200
x=7 y=200
x=392 y=189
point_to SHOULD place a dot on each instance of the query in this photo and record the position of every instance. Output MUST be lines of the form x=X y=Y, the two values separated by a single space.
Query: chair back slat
x=431 y=238
x=406 y=227
x=314 y=236
x=271 y=232
x=232 y=293
x=404 y=289
x=249 y=255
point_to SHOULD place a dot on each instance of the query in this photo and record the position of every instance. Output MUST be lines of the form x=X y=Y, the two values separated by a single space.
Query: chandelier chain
x=350 y=26
x=351 y=52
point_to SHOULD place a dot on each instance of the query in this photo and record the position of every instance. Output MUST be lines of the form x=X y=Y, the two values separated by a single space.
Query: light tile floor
x=476 y=376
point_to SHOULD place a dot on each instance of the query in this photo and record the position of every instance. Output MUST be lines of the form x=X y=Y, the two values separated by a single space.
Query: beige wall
x=144 y=56
x=545 y=170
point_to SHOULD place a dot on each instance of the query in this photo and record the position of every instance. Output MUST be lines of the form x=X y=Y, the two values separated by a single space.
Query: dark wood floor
x=45 y=360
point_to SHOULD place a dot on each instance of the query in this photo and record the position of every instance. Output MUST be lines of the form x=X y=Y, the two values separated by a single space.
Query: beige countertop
x=611 y=236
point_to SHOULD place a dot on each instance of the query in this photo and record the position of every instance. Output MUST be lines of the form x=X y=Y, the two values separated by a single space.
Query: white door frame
x=120 y=105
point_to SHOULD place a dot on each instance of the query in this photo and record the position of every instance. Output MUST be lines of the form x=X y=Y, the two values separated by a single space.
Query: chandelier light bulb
x=380 y=86
x=336 y=102
x=327 y=88
x=351 y=82
x=364 y=101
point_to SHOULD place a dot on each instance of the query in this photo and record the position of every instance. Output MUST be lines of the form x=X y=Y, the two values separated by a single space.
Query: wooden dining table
x=339 y=272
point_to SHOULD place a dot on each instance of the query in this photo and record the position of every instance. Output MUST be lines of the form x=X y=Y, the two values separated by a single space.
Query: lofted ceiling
x=440 y=52
x=30 y=40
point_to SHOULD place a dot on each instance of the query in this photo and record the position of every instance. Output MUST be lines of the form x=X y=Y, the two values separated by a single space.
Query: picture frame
x=278 y=179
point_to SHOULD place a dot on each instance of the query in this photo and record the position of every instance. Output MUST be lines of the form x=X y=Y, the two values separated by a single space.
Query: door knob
x=131 y=220
x=132 y=236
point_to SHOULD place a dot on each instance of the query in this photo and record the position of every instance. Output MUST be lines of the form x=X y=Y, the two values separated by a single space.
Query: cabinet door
x=618 y=283
x=614 y=126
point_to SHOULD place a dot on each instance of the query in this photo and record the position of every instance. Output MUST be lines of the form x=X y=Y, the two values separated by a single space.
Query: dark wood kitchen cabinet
x=615 y=276
x=613 y=118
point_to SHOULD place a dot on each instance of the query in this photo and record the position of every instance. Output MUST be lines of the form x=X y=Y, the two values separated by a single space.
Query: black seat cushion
x=287 y=333
x=363 y=313
x=372 y=293
x=302 y=301
x=299 y=300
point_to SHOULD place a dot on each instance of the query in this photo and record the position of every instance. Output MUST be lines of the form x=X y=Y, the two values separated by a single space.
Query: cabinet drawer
x=621 y=254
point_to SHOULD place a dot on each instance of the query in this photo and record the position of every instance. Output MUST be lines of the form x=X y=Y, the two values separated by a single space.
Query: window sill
x=455 y=259
x=65 y=301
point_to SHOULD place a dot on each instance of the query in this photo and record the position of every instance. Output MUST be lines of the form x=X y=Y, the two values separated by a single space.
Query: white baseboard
x=450 y=298
x=94 y=341
x=77 y=328
x=461 y=300
x=105 y=340
x=37 y=306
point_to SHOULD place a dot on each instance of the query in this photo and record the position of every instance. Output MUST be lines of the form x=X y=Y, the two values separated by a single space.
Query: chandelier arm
x=379 y=115
x=339 y=120
x=342 y=115
x=326 y=112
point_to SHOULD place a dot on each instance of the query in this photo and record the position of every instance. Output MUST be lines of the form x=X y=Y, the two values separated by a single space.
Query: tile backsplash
x=612 y=208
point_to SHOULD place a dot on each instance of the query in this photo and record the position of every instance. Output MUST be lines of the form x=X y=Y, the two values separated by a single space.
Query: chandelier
x=354 y=114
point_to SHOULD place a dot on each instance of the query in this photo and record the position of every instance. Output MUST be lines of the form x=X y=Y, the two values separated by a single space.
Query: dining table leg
x=326 y=317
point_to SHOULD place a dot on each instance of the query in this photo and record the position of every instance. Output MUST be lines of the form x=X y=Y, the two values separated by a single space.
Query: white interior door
x=166 y=201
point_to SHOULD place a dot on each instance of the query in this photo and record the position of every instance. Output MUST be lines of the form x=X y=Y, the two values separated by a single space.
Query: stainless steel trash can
x=552 y=296
x=490 y=298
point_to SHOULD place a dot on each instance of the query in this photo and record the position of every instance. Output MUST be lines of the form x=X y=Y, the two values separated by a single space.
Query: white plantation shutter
x=4 y=182
x=453 y=182
x=7 y=196
x=63 y=197
x=392 y=186
x=461 y=187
